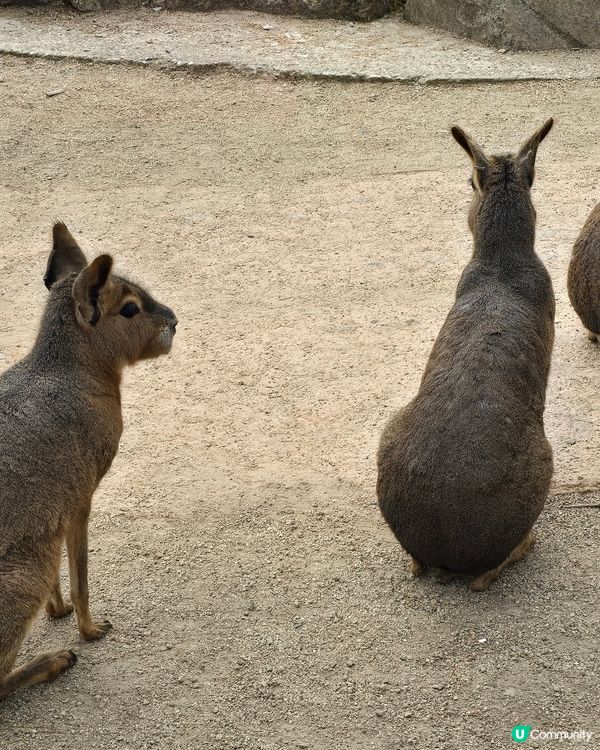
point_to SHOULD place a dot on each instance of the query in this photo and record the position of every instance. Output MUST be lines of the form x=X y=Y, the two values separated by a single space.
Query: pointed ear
x=66 y=256
x=528 y=151
x=479 y=159
x=87 y=287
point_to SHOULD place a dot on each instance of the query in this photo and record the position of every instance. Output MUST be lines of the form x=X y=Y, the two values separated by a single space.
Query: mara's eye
x=129 y=310
x=472 y=183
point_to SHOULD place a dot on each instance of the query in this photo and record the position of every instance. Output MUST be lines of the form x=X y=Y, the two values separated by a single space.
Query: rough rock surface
x=359 y=10
x=516 y=24
x=363 y=10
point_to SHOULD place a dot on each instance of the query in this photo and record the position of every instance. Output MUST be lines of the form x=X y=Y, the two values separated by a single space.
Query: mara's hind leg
x=43 y=668
x=416 y=568
x=26 y=584
x=483 y=581
x=55 y=606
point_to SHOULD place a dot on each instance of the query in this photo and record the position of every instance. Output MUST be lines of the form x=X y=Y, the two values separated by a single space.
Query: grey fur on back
x=465 y=467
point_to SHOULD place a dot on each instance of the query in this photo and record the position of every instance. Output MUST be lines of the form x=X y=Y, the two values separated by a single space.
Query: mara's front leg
x=55 y=606
x=77 y=548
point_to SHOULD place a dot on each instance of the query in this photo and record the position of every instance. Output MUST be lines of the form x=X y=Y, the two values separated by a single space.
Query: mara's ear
x=65 y=258
x=479 y=159
x=528 y=150
x=87 y=287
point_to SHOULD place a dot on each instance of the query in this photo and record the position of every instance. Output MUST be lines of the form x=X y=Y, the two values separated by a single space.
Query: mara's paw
x=482 y=582
x=416 y=568
x=95 y=630
x=593 y=337
x=58 y=611
x=530 y=541
x=58 y=662
x=68 y=659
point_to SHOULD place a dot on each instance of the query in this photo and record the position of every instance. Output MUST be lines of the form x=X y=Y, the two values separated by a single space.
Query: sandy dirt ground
x=309 y=237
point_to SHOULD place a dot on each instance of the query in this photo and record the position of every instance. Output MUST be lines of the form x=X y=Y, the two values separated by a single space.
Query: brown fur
x=583 y=280
x=60 y=425
x=465 y=467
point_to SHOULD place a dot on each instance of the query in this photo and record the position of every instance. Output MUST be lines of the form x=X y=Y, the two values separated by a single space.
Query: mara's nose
x=167 y=314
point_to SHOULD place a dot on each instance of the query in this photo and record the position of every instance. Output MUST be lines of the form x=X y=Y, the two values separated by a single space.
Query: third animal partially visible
x=584 y=275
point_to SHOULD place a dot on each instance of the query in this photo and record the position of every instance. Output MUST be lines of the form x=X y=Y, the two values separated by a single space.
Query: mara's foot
x=416 y=568
x=593 y=337
x=56 y=610
x=55 y=606
x=483 y=581
x=94 y=631
x=62 y=660
x=43 y=668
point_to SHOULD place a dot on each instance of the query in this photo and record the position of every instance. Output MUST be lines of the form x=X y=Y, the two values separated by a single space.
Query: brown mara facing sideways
x=465 y=467
x=60 y=425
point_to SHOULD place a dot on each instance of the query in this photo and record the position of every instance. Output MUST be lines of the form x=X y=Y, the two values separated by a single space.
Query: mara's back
x=466 y=463
x=465 y=467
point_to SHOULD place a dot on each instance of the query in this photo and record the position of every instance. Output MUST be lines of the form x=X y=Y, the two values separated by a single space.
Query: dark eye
x=129 y=310
x=471 y=183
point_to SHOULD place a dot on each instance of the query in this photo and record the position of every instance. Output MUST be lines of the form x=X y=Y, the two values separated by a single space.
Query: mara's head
x=117 y=319
x=501 y=183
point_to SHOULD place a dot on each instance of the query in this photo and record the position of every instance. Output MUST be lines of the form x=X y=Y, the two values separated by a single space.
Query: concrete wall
x=514 y=24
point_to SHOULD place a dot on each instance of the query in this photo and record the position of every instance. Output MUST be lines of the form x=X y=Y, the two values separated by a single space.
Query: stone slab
x=385 y=50
x=358 y=10
x=516 y=24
